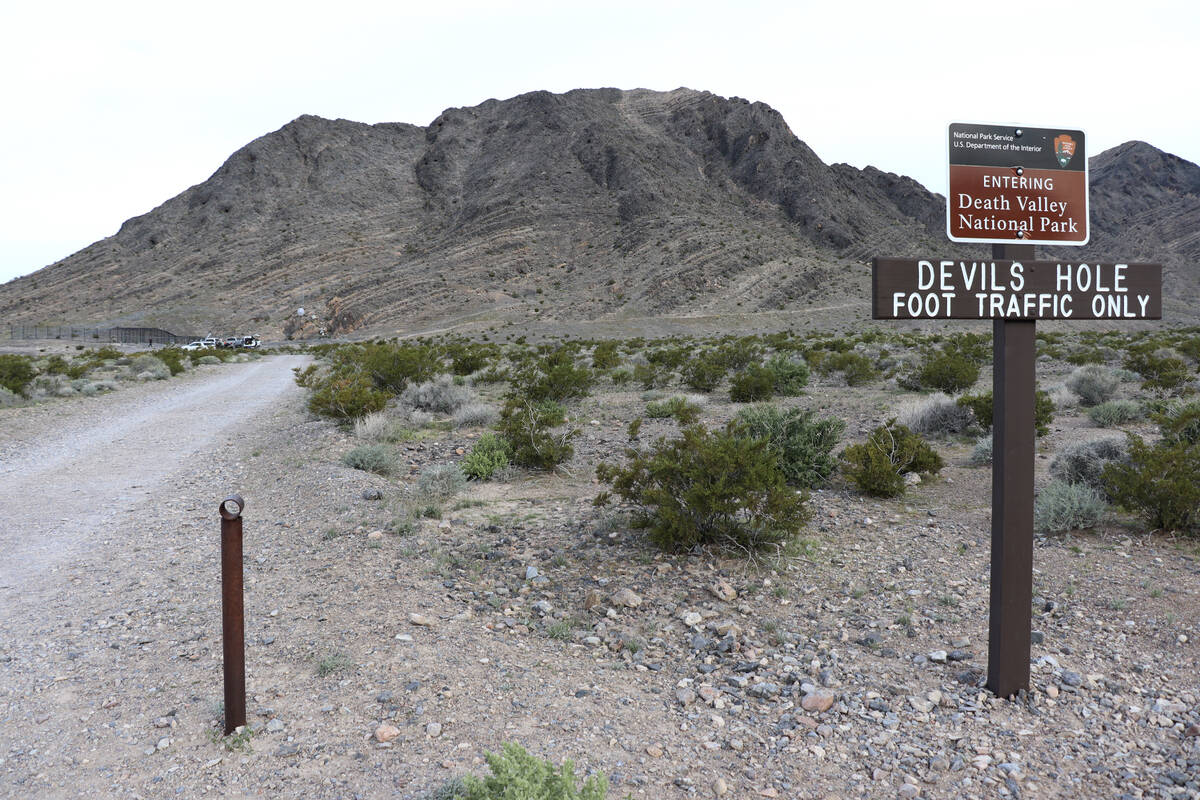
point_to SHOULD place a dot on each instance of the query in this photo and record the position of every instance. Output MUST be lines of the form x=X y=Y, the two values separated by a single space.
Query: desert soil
x=527 y=615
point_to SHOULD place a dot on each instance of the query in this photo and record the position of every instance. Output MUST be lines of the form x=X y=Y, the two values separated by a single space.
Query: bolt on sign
x=1014 y=187
x=1010 y=183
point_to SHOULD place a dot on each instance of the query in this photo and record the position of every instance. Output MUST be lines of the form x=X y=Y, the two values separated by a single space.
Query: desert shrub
x=1093 y=383
x=1159 y=369
x=948 y=371
x=1062 y=397
x=752 y=384
x=620 y=377
x=51 y=386
x=16 y=372
x=856 y=368
x=8 y=399
x=1086 y=355
x=1180 y=423
x=802 y=443
x=440 y=482
x=149 y=368
x=534 y=433
x=489 y=455
x=709 y=487
x=878 y=466
x=738 y=354
x=605 y=355
x=1116 y=412
x=1161 y=480
x=173 y=358
x=683 y=410
x=345 y=396
x=468 y=358
x=377 y=458
x=705 y=372
x=439 y=396
x=97 y=387
x=374 y=427
x=1062 y=506
x=934 y=415
x=981 y=453
x=476 y=415
x=554 y=377
x=517 y=775
x=650 y=375
x=791 y=375
x=491 y=375
x=981 y=408
x=205 y=359
x=1084 y=462
x=390 y=366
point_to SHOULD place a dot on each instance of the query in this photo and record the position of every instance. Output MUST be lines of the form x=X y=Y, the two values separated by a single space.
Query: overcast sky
x=112 y=108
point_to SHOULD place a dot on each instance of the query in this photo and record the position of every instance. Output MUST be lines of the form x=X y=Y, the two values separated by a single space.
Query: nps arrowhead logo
x=1064 y=149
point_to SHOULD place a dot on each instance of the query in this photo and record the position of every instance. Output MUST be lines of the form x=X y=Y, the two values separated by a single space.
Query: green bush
x=1160 y=370
x=489 y=455
x=948 y=371
x=709 y=487
x=344 y=396
x=1062 y=506
x=791 y=376
x=605 y=355
x=377 y=458
x=752 y=384
x=878 y=466
x=172 y=357
x=529 y=428
x=650 y=375
x=802 y=443
x=705 y=372
x=1093 y=383
x=856 y=368
x=1161 y=480
x=554 y=377
x=15 y=372
x=684 y=411
x=1116 y=412
x=517 y=775
x=981 y=408
x=392 y=366
x=1181 y=423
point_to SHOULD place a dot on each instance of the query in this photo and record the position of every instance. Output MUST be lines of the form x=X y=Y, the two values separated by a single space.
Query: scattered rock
x=723 y=590
x=433 y=730
x=420 y=619
x=938 y=656
x=720 y=788
x=818 y=701
x=386 y=732
x=685 y=696
x=275 y=726
x=531 y=572
x=593 y=599
x=372 y=494
x=654 y=751
x=626 y=597
x=1073 y=679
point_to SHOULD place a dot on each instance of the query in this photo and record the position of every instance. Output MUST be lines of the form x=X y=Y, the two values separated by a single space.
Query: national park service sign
x=1010 y=184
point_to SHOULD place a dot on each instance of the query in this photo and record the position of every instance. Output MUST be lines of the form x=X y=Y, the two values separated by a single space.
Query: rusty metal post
x=233 y=624
x=1013 y=432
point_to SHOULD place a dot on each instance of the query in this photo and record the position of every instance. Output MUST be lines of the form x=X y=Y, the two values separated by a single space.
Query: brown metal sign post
x=233 y=624
x=1014 y=187
x=1013 y=430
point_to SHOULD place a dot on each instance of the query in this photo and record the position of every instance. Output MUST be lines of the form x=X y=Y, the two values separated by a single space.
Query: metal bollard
x=233 y=624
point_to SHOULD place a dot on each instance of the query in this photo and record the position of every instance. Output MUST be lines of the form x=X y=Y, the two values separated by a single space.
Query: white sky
x=111 y=108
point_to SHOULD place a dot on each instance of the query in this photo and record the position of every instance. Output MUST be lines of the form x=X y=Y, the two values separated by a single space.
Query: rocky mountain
x=594 y=204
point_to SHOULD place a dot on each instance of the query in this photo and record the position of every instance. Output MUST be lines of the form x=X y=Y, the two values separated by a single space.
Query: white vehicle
x=193 y=346
x=210 y=341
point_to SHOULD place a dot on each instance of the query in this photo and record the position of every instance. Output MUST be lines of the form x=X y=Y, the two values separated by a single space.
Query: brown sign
x=1031 y=290
x=1013 y=184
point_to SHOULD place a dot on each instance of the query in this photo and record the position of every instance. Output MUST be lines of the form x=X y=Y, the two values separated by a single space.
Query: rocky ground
x=383 y=664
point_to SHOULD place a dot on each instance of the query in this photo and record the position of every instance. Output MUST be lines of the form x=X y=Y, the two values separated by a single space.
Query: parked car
x=193 y=346
x=209 y=341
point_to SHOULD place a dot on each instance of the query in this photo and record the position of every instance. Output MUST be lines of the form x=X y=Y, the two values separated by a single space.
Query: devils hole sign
x=1014 y=187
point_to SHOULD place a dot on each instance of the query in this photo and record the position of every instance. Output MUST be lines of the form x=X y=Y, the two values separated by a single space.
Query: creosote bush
x=1062 y=506
x=878 y=466
x=709 y=487
x=535 y=434
x=705 y=372
x=439 y=396
x=981 y=408
x=949 y=371
x=752 y=384
x=490 y=455
x=684 y=411
x=802 y=443
x=15 y=372
x=1161 y=480
x=342 y=396
x=791 y=374
x=517 y=775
